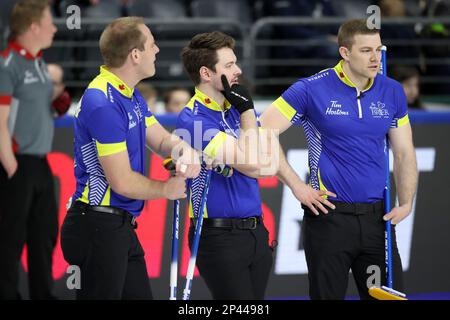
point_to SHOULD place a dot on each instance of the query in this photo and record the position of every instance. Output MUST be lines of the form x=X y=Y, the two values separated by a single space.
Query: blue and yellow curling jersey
x=204 y=125
x=111 y=118
x=345 y=130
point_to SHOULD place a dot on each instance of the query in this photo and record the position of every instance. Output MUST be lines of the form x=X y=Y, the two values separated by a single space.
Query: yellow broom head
x=385 y=293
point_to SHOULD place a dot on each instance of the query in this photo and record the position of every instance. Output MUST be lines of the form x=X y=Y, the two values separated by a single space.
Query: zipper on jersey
x=358 y=99
x=225 y=121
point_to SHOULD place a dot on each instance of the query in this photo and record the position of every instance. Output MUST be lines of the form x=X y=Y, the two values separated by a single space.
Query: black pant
x=106 y=249
x=234 y=263
x=337 y=242
x=28 y=214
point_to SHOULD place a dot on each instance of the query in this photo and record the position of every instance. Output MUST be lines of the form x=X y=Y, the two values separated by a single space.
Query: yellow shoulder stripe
x=98 y=83
x=285 y=108
x=403 y=121
x=149 y=121
x=106 y=149
x=191 y=102
x=214 y=145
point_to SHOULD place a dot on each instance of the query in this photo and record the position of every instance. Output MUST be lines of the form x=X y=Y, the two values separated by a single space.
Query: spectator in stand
x=403 y=32
x=409 y=77
x=61 y=98
x=175 y=99
x=150 y=95
x=434 y=54
x=326 y=46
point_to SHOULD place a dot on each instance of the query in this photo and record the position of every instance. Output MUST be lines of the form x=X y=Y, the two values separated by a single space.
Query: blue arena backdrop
x=423 y=238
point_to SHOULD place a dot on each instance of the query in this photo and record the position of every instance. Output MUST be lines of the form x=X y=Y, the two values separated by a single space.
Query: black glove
x=237 y=95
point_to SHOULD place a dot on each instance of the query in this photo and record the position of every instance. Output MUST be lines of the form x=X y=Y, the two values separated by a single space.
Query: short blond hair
x=119 y=38
x=351 y=28
x=25 y=13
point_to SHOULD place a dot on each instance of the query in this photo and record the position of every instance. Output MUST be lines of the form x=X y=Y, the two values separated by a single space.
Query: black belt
x=249 y=223
x=354 y=208
x=105 y=209
x=32 y=156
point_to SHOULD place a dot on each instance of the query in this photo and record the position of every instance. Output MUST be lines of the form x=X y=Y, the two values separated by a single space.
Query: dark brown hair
x=202 y=52
x=349 y=29
x=402 y=73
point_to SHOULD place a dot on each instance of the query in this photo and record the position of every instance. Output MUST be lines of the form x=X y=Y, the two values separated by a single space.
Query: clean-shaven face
x=46 y=29
x=365 y=55
x=411 y=87
x=226 y=65
x=149 y=53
